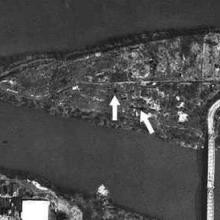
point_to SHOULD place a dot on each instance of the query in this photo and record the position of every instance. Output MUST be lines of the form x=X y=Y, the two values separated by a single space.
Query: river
x=141 y=172
x=48 y=25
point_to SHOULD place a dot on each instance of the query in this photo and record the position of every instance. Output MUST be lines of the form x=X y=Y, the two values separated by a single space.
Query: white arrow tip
x=114 y=101
x=144 y=116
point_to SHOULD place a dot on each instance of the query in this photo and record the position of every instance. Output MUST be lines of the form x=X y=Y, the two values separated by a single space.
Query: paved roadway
x=142 y=173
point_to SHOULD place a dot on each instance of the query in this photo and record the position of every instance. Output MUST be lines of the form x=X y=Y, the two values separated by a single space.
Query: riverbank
x=71 y=206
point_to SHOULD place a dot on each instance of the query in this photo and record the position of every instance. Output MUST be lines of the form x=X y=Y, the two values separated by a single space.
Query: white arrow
x=145 y=119
x=114 y=103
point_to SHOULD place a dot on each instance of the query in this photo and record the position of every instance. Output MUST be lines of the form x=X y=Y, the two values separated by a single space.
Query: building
x=35 y=210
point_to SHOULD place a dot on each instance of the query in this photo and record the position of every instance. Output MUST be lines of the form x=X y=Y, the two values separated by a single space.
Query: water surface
x=141 y=172
x=43 y=25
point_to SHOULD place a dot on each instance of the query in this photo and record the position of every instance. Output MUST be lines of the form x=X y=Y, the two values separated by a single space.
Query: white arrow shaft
x=114 y=113
x=149 y=126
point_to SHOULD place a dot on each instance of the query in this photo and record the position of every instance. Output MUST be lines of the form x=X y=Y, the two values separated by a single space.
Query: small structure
x=35 y=210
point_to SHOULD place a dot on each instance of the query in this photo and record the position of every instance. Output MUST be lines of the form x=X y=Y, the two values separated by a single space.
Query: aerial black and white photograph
x=109 y=110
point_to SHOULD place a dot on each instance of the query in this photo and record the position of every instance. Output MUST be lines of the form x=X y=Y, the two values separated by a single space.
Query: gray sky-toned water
x=72 y=24
x=141 y=172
